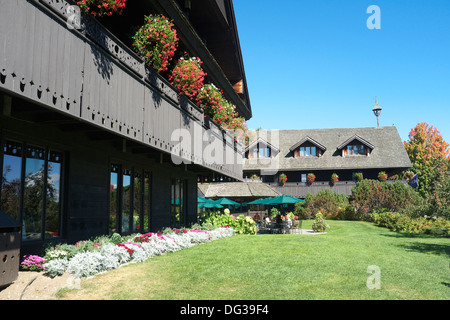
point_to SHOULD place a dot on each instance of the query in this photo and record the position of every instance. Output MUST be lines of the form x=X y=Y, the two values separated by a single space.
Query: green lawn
x=329 y=266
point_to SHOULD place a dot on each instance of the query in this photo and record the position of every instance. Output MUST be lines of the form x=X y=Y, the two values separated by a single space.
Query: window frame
x=144 y=210
x=48 y=149
x=307 y=152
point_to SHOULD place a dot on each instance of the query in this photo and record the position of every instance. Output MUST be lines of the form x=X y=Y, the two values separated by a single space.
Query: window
x=178 y=205
x=130 y=200
x=31 y=189
x=308 y=152
x=303 y=177
x=261 y=152
x=355 y=150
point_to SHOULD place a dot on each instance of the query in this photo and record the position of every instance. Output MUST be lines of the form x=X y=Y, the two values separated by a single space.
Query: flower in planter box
x=334 y=178
x=311 y=177
x=359 y=176
x=157 y=41
x=188 y=76
x=382 y=176
x=283 y=178
x=408 y=175
x=210 y=98
x=219 y=109
x=99 y=8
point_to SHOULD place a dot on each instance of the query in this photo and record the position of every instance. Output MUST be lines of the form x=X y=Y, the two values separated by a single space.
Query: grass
x=332 y=266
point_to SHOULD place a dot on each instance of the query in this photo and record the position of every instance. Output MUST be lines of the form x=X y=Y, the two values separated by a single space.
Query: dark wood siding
x=93 y=77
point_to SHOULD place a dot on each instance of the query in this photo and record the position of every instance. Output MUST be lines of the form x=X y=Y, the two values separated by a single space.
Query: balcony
x=301 y=189
x=90 y=76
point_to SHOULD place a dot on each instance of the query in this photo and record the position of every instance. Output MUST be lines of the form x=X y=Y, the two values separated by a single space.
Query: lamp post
x=377 y=111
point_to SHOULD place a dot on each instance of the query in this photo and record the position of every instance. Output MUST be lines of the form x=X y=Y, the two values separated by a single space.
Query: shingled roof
x=237 y=189
x=388 y=150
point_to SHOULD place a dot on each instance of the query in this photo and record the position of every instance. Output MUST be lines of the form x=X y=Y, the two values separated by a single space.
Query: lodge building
x=345 y=152
x=86 y=126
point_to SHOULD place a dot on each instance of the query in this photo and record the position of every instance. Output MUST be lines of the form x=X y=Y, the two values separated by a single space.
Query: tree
x=428 y=152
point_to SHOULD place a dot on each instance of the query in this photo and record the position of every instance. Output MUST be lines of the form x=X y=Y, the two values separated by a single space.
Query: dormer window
x=309 y=151
x=356 y=146
x=355 y=150
x=260 y=149
x=307 y=147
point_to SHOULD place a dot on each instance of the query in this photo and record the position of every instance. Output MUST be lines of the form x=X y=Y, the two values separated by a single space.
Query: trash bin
x=10 y=241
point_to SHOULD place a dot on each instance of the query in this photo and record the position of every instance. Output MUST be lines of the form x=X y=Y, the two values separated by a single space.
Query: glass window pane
x=147 y=203
x=302 y=151
x=308 y=151
x=303 y=178
x=11 y=179
x=126 y=200
x=33 y=195
x=181 y=202
x=173 y=201
x=113 y=198
x=313 y=151
x=137 y=209
x=53 y=194
x=349 y=150
x=361 y=149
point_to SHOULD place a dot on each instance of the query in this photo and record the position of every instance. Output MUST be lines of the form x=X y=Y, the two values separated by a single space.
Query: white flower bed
x=137 y=249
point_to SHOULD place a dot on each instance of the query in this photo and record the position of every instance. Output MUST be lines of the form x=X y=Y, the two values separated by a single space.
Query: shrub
x=402 y=223
x=241 y=224
x=331 y=204
x=319 y=224
x=369 y=195
x=274 y=212
x=300 y=211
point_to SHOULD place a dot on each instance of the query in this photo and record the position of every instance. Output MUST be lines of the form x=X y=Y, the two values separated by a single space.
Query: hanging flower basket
x=408 y=175
x=157 y=41
x=99 y=8
x=188 y=76
x=283 y=179
x=310 y=178
x=359 y=176
x=382 y=176
x=334 y=178
x=220 y=109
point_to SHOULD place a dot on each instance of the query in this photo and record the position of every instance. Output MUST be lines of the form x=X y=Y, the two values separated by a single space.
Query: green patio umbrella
x=257 y=201
x=227 y=202
x=284 y=199
x=209 y=205
x=201 y=200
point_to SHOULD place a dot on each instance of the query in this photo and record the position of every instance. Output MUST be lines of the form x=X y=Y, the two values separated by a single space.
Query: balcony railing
x=89 y=74
x=301 y=189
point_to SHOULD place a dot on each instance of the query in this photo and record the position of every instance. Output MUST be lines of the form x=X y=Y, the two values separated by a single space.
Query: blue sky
x=315 y=64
